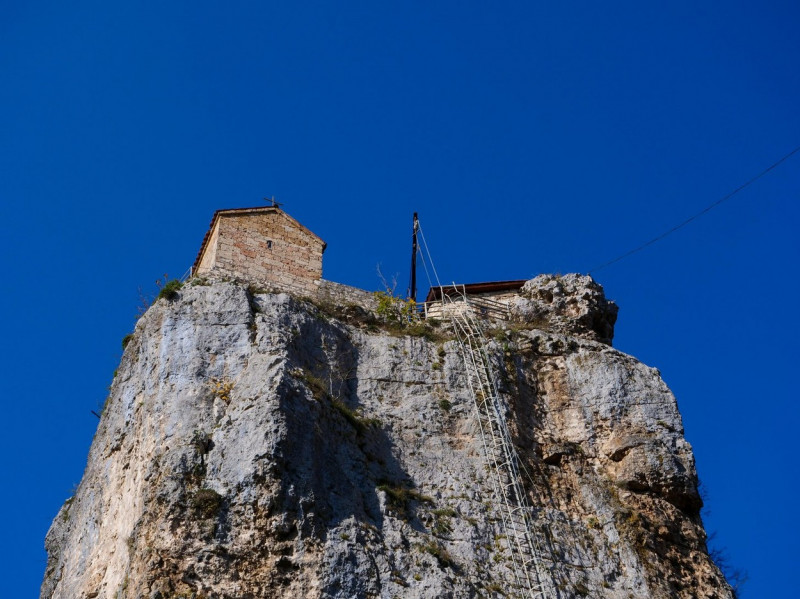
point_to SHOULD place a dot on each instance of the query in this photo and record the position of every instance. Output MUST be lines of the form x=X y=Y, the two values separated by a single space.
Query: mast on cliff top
x=412 y=288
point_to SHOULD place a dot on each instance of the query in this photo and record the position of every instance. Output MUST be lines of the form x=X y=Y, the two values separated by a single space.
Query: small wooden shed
x=491 y=299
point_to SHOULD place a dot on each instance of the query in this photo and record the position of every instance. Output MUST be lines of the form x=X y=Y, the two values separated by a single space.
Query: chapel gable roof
x=245 y=211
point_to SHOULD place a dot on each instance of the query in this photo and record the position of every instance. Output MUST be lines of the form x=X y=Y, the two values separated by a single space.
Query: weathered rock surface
x=255 y=446
x=570 y=304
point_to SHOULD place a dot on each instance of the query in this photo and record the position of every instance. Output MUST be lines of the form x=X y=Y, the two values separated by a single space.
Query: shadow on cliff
x=334 y=461
x=557 y=534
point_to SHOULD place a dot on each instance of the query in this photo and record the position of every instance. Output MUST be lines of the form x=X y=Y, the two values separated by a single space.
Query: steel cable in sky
x=702 y=212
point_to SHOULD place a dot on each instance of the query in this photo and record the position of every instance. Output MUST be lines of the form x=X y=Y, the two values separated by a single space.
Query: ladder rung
x=517 y=516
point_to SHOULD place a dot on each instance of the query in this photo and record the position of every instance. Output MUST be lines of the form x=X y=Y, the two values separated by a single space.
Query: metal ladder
x=526 y=544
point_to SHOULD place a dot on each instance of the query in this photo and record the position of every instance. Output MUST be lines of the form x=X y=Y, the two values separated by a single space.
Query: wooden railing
x=482 y=307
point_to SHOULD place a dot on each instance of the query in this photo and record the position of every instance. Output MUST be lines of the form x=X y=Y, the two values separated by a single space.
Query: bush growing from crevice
x=356 y=420
x=202 y=442
x=350 y=313
x=400 y=317
x=169 y=290
x=391 y=308
x=394 y=315
x=402 y=498
x=253 y=289
x=440 y=553
x=320 y=392
x=735 y=577
x=222 y=388
x=416 y=328
x=441 y=521
x=126 y=340
x=206 y=503
x=66 y=507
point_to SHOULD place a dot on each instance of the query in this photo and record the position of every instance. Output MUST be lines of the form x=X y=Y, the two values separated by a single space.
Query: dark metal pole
x=413 y=290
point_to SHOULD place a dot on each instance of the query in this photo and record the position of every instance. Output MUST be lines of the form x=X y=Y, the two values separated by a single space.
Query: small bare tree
x=392 y=308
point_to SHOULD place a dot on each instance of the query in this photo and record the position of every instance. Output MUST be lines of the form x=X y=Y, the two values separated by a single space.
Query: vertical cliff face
x=256 y=445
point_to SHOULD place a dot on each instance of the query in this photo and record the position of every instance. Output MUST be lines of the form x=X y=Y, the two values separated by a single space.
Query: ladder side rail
x=501 y=437
x=521 y=576
x=502 y=500
x=535 y=542
x=519 y=540
x=497 y=408
x=499 y=412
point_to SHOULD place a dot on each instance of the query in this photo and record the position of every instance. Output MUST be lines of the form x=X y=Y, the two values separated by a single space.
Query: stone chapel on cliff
x=262 y=244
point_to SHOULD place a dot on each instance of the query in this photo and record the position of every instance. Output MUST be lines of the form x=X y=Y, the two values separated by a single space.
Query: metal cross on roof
x=274 y=203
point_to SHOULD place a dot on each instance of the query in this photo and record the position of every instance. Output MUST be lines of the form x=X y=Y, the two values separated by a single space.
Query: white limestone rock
x=255 y=446
x=571 y=304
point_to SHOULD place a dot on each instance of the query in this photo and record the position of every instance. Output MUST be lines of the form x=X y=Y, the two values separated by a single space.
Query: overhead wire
x=430 y=258
x=521 y=470
x=425 y=266
x=702 y=212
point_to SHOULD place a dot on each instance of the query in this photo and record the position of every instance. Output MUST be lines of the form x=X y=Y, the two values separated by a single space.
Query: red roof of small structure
x=435 y=293
x=256 y=209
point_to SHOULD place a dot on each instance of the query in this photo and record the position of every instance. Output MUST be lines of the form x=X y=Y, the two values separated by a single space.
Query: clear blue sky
x=531 y=137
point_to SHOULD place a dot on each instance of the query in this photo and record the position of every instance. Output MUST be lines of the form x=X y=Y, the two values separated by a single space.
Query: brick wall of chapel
x=293 y=262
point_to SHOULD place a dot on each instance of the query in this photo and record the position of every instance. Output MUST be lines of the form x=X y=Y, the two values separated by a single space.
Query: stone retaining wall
x=343 y=295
